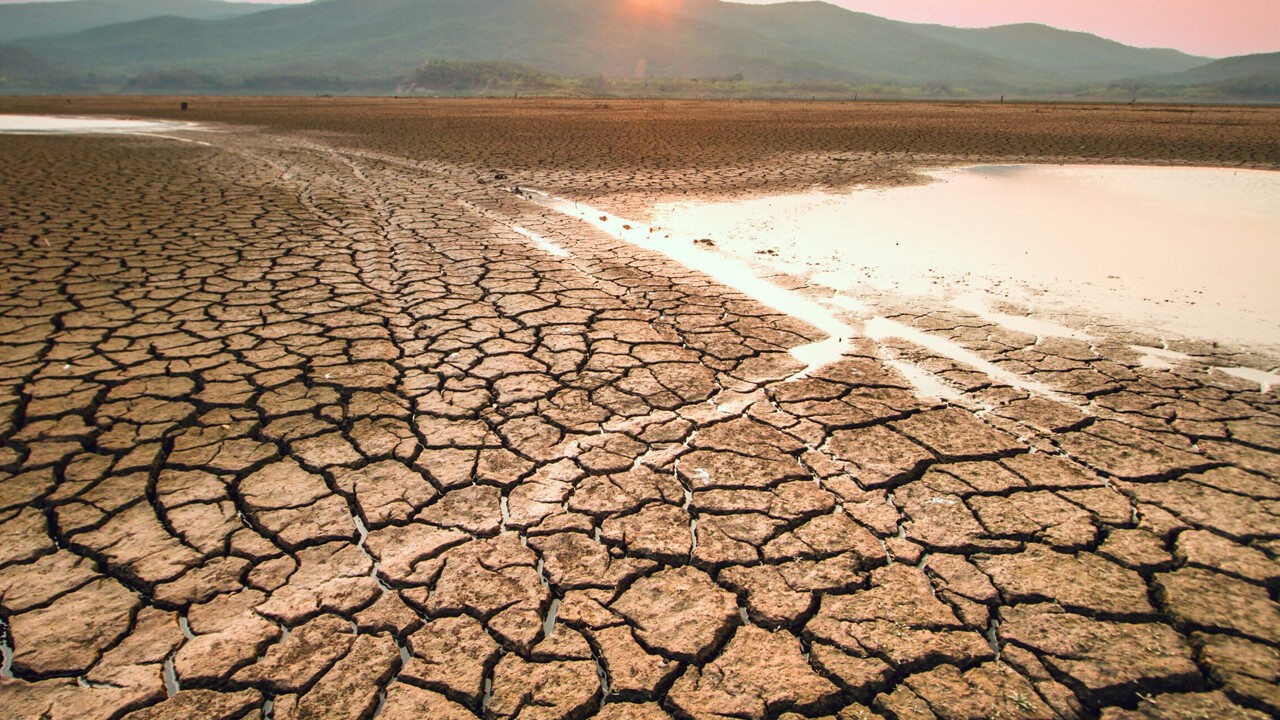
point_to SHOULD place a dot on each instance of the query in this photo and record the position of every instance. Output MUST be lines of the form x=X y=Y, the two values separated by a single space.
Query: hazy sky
x=1204 y=27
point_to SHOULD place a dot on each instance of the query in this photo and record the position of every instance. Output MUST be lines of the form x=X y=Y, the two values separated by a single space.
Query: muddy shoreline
x=607 y=150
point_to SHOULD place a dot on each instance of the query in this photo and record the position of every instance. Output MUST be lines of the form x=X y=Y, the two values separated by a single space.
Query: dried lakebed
x=295 y=429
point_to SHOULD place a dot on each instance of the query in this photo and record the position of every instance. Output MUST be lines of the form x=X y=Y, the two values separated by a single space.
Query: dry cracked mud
x=304 y=423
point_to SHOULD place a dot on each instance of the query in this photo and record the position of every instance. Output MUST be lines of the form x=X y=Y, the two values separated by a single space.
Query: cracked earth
x=294 y=428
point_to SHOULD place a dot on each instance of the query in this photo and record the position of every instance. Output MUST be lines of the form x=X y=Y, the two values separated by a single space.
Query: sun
x=650 y=9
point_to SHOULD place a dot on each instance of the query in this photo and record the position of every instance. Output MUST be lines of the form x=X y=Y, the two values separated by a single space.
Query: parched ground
x=301 y=423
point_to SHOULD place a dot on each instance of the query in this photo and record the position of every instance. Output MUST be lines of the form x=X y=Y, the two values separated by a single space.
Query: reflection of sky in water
x=998 y=170
x=45 y=124
x=1191 y=251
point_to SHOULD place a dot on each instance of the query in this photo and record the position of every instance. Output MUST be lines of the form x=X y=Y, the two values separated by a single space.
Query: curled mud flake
x=452 y=656
x=658 y=531
x=1103 y=662
x=1249 y=671
x=956 y=435
x=352 y=688
x=386 y=492
x=406 y=702
x=24 y=536
x=1200 y=599
x=1072 y=581
x=294 y=664
x=202 y=703
x=229 y=635
x=633 y=672
x=629 y=711
x=990 y=690
x=544 y=690
x=879 y=457
x=1173 y=706
x=573 y=560
x=759 y=673
x=679 y=612
x=32 y=585
x=69 y=635
x=899 y=620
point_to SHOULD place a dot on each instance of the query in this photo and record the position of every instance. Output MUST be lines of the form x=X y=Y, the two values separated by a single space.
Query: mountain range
x=34 y=19
x=792 y=42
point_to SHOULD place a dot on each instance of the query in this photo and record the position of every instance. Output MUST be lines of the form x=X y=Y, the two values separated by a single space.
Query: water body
x=733 y=272
x=57 y=124
x=1186 y=252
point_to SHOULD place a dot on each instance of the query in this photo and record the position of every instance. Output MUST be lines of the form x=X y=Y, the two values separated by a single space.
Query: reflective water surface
x=41 y=124
x=1190 y=251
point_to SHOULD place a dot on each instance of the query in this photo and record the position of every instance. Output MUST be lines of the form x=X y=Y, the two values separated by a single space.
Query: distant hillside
x=32 y=19
x=16 y=61
x=866 y=48
x=1247 y=77
x=1232 y=68
x=1075 y=54
x=794 y=42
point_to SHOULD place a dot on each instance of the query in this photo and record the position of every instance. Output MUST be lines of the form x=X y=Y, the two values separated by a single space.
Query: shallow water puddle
x=1159 y=358
x=727 y=271
x=67 y=125
x=538 y=241
x=880 y=329
x=1265 y=380
x=977 y=304
x=1183 y=250
x=6 y=653
x=736 y=273
x=542 y=243
x=1191 y=251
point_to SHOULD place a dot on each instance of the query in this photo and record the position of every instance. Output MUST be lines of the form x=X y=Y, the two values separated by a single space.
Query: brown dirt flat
x=605 y=148
x=298 y=424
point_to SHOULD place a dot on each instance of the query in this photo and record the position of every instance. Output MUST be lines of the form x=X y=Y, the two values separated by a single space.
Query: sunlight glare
x=653 y=9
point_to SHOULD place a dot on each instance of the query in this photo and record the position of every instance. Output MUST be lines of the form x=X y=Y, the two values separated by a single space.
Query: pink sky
x=1216 y=28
